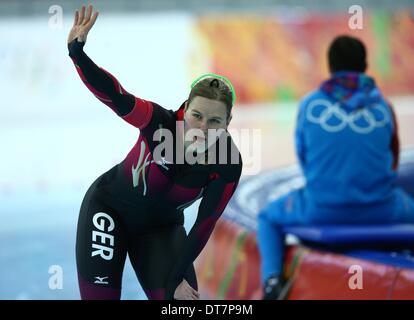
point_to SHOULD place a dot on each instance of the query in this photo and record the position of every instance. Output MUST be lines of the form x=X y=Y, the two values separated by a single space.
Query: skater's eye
x=215 y=121
x=196 y=115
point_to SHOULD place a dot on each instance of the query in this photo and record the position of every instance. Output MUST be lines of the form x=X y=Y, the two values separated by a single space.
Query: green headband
x=216 y=76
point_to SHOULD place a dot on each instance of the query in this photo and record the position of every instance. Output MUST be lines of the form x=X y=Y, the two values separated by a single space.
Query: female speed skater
x=136 y=208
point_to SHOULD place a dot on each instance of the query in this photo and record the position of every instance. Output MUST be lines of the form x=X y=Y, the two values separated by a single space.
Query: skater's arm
x=100 y=82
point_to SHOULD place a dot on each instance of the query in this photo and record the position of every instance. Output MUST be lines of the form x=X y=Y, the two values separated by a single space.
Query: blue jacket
x=343 y=141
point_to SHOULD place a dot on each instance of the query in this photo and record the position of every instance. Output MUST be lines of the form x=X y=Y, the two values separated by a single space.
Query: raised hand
x=84 y=21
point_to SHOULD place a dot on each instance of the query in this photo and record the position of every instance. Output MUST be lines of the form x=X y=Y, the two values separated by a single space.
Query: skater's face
x=204 y=114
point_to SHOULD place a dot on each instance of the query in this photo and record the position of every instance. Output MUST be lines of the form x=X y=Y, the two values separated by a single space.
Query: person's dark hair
x=347 y=53
x=213 y=89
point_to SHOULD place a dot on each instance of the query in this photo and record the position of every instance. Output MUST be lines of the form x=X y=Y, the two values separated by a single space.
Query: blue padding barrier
x=354 y=234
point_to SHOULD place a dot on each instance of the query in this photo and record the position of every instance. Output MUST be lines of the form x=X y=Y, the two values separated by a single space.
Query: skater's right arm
x=101 y=83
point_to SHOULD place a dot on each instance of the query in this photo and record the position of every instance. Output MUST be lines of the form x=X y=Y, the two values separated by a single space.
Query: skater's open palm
x=84 y=21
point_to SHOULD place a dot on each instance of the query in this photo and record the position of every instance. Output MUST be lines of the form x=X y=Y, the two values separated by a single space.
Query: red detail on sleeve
x=141 y=114
x=100 y=95
x=213 y=176
x=227 y=193
x=204 y=230
x=118 y=86
x=206 y=226
x=180 y=114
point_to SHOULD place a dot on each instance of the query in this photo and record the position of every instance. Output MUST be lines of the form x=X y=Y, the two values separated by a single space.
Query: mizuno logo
x=163 y=163
x=100 y=280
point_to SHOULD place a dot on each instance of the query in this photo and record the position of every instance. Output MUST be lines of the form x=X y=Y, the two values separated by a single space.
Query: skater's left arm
x=216 y=197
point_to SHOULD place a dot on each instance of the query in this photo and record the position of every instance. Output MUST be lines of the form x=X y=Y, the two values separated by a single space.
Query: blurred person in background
x=136 y=208
x=347 y=144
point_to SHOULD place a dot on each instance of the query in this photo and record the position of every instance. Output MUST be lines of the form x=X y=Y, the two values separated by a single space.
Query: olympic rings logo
x=360 y=121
